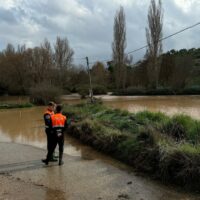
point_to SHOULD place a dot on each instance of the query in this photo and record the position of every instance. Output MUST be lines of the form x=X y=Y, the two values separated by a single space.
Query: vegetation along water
x=166 y=148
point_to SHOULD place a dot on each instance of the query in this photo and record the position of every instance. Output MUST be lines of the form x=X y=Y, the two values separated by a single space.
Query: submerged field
x=166 y=148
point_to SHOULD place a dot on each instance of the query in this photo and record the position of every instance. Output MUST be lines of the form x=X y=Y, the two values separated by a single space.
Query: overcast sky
x=88 y=24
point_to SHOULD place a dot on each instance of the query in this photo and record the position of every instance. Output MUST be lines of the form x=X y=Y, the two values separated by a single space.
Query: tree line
x=25 y=70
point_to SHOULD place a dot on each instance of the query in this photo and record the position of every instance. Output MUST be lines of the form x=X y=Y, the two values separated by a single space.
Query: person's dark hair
x=51 y=103
x=58 y=108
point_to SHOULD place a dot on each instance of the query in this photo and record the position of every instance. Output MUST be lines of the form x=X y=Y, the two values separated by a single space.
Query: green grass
x=177 y=126
x=189 y=148
x=10 y=105
x=166 y=148
x=184 y=127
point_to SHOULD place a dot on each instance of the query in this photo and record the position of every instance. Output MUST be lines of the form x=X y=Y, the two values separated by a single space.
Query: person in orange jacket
x=58 y=125
x=47 y=120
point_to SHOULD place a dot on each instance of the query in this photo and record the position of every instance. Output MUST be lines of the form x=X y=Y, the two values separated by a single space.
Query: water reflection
x=26 y=126
x=23 y=126
x=169 y=105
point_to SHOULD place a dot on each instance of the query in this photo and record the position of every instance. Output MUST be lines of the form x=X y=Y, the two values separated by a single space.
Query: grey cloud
x=6 y=16
x=88 y=25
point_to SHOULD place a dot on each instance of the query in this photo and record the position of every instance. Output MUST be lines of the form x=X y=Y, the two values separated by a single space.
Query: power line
x=164 y=38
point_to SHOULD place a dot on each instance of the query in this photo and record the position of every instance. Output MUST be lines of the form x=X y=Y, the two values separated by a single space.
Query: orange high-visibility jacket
x=47 y=118
x=58 y=120
x=48 y=112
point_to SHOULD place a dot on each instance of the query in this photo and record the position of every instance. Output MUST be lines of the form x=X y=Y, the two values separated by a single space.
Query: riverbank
x=134 y=91
x=15 y=105
x=165 y=148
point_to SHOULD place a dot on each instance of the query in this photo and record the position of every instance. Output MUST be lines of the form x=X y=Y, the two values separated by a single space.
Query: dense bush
x=99 y=89
x=191 y=90
x=83 y=90
x=145 y=91
x=43 y=93
x=130 y=91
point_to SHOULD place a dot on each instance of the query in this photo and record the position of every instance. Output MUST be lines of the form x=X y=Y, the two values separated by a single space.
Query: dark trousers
x=56 y=140
x=49 y=138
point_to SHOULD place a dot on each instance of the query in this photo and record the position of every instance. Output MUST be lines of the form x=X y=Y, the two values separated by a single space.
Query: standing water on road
x=26 y=126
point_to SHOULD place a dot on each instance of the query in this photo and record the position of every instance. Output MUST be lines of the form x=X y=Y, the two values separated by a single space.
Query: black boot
x=53 y=159
x=60 y=159
x=46 y=161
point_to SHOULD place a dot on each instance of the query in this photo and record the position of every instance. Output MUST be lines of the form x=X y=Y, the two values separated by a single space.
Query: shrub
x=181 y=168
x=191 y=90
x=83 y=90
x=99 y=89
x=135 y=91
x=160 y=91
x=41 y=94
x=183 y=127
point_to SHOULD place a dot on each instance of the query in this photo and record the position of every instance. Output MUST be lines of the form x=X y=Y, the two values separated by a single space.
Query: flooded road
x=95 y=175
x=26 y=126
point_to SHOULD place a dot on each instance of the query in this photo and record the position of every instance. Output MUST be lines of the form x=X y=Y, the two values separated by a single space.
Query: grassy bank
x=194 y=90
x=15 y=105
x=164 y=148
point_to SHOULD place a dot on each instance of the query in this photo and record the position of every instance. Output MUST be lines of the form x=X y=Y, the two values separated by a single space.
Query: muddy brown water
x=25 y=126
x=170 y=105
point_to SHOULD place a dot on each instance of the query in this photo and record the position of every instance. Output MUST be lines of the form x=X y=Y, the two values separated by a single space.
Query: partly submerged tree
x=154 y=35
x=118 y=48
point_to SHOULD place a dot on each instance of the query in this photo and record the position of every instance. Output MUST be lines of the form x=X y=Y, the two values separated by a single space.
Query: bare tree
x=63 y=53
x=47 y=54
x=118 y=48
x=153 y=35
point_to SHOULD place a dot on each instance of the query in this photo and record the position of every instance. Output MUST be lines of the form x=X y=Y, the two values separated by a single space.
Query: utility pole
x=90 y=90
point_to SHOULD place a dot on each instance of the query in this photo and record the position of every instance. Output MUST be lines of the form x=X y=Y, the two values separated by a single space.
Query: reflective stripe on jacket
x=58 y=120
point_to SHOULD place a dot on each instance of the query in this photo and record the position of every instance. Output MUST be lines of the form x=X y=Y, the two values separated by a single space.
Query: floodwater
x=170 y=105
x=26 y=126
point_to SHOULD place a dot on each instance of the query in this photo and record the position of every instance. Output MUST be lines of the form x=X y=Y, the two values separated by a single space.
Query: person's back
x=58 y=124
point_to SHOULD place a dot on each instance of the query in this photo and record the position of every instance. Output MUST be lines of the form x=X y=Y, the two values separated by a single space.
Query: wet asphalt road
x=23 y=176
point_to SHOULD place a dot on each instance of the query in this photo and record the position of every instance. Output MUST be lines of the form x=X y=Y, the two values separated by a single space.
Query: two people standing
x=55 y=125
